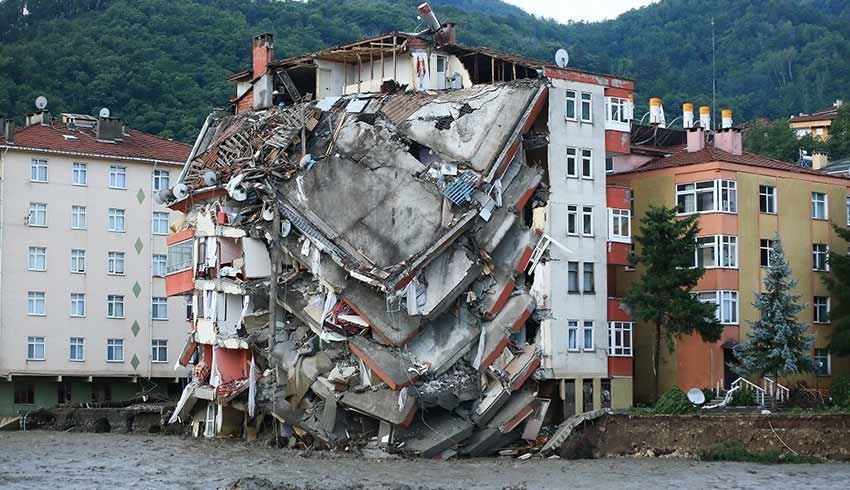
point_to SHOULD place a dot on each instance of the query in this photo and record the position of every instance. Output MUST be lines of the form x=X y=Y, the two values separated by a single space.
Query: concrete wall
x=558 y=362
x=136 y=285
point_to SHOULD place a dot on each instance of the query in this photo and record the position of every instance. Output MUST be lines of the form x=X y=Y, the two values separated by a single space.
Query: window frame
x=36 y=209
x=572 y=336
x=158 y=302
x=112 y=302
x=718 y=298
x=32 y=342
x=80 y=344
x=112 y=217
x=159 y=346
x=79 y=169
x=573 y=277
x=586 y=164
x=116 y=171
x=79 y=258
x=816 y=307
x=572 y=156
x=36 y=166
x=824 y=203
x=571 y=96
x=159 y=265
x=621 y=327
x=157 y=179
x=584 y=337
x=586 y=116
x=157 y=218
x=585 y=270
x=719 y=245
x=616 y=218
x=827 y=365
x=586 y=221
x=111 y=345
x=79 y=213
x=765 y=249
x=184 y=245
x=33 y=254
x=113 y=261
x=768 y=196
x=572 y=220
x=824 y=254
x=33 y=299
x=75 y=298
x=718 y=188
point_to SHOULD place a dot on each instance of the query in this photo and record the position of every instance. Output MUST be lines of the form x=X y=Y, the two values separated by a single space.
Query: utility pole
x=713 y=80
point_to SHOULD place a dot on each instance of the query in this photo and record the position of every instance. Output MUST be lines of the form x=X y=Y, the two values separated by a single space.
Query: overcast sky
x=576 y=10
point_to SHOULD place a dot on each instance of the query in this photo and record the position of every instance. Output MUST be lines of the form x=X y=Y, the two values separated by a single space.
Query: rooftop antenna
x=104 y=113
x=562 y=58
x=713 y=79
x=40 y=102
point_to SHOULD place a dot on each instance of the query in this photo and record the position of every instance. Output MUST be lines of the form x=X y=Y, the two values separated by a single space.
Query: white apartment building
x=83 y=310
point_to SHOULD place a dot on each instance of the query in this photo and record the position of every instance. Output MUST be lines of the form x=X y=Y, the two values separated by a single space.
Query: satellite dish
x=40 y=102
x=562 y=58
x=163 y=196
x=210 y=178
x=103 y=112
x=696 y=396
x=180 y=191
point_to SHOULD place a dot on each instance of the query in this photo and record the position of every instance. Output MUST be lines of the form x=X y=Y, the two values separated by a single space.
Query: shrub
x=674 y=402
x=743 y=398
x=735 y=451
x=840 y=391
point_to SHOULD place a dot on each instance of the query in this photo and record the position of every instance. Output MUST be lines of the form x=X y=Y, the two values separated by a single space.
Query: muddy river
x=54 y=460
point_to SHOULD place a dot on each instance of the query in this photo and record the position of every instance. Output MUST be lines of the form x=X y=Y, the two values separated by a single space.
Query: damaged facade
x=420 y=256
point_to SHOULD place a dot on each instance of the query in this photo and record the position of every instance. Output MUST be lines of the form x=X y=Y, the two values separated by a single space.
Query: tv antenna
x=104 y=112
x=562 y=58
x=40 y=102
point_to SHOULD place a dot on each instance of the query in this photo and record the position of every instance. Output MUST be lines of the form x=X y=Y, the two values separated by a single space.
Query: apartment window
x=822 y=362
x=179 y=257
x=586 y=164
x=587 y=221
x=818 y=205
x=78 y=261
x=116 y=220
x=572 y=162
x=609 y=165
x=588 y=283
x=587 y=336
x=728 y=251
x=159 y=350
x=586 y=107
x=159 y=223
x=77 y=349
x=848 y=210
x=159 y=308
x=572 y=220
x=78 y=217
x=619 y=225
x=35 y=303
x=767 y=199
x=78 y=304
x=765 y=249
x=158 y=265
x=572 y=335
x=572 y=277
x=114 y=350
x=620 y=339
x=820 y=309
x=160 y=180
x=820 y=252
x=37 y=259
x=726 y=303
x=115 y=306
x=24 y=393
x=38 y=170
x=79 y=174
x=703 y=197
x=189 y=308
x=38 y=214
x=571 y=105
x=617 y=109
x=117 y=177
x=115 y=263
x=716 y=251
x=35 y=348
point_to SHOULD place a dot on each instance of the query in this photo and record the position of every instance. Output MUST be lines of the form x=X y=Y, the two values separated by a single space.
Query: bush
x=735 y=451
x=840 y=391
x=744 y=397
x=674 y=402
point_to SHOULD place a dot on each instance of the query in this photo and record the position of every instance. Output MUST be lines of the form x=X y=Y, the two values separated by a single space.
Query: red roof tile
x=826 y=114
x=135 y=145
x=711 y=154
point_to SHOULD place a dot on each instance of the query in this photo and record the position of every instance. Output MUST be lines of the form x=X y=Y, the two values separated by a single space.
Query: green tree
x=838 y=283
x=839 y=134
x=777 y=140
x=778 y=343
x=663 y=296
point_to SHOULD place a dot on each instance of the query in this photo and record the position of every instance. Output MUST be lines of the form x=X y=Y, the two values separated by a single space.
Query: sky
x=577 y=10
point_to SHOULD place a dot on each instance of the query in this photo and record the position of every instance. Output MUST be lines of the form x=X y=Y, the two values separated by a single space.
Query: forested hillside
x=161 y=64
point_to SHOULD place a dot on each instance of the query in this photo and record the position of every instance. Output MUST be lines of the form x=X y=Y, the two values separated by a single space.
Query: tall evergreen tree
x=778 y=343
x=662 y=296
x=838 y=283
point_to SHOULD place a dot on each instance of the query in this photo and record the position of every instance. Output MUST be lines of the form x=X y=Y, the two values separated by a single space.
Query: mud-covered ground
x=54 y=460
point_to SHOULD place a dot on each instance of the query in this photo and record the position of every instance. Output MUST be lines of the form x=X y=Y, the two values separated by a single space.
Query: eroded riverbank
x=68 y=460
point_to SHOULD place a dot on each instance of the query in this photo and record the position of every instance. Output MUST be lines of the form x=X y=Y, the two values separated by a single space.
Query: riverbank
x=43 y=459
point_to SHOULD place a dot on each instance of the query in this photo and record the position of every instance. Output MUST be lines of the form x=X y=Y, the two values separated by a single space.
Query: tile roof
x=711 y=154
x=135 y=145
x=826 y=114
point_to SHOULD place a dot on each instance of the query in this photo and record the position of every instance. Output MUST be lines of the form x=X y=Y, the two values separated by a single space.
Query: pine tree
x=838 y=283
x=778 y=344
x=663 y=294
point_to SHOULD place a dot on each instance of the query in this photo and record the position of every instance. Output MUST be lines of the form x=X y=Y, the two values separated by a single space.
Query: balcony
x=179 y=278
x=620 y=339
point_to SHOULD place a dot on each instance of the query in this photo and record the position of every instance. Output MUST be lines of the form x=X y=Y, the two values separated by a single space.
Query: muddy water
x=52 y=460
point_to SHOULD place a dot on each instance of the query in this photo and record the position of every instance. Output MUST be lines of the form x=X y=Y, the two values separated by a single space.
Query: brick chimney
x=109 y=129
x=820 y=159
x=696 y=139
x=729 y=140
x=8 y=128
x=262 y=52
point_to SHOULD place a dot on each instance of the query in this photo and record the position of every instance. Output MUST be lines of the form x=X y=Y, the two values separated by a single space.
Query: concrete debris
x=361 y=273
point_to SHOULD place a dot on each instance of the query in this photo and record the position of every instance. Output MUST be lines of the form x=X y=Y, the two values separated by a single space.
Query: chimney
x=9 y=130
x=262 y=51
x=655 y=111
x=820 y=159
x=687 y=115
x=447 y=34
x=726 y=119
x=109 y=129
x=705 y=117
x=696 y=139
x=40 y=117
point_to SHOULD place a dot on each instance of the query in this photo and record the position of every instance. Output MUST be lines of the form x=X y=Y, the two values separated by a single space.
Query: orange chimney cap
x=705 y=109
x=655 y=101
x=726 y=113
x=688 y=107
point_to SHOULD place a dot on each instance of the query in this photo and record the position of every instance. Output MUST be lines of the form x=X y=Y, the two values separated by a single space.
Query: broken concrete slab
x=446 y=340
x=567 y=427
x=384 y=404
x=395 y=329
x=495 y=397
x=522 y=366
x=436 y=431
x=446 y=277
x=386 y=363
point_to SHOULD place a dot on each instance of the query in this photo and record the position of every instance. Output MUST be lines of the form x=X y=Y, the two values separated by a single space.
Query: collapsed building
x=399 y=260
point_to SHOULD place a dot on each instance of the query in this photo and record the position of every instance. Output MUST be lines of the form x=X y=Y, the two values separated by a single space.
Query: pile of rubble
x=361 y=270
